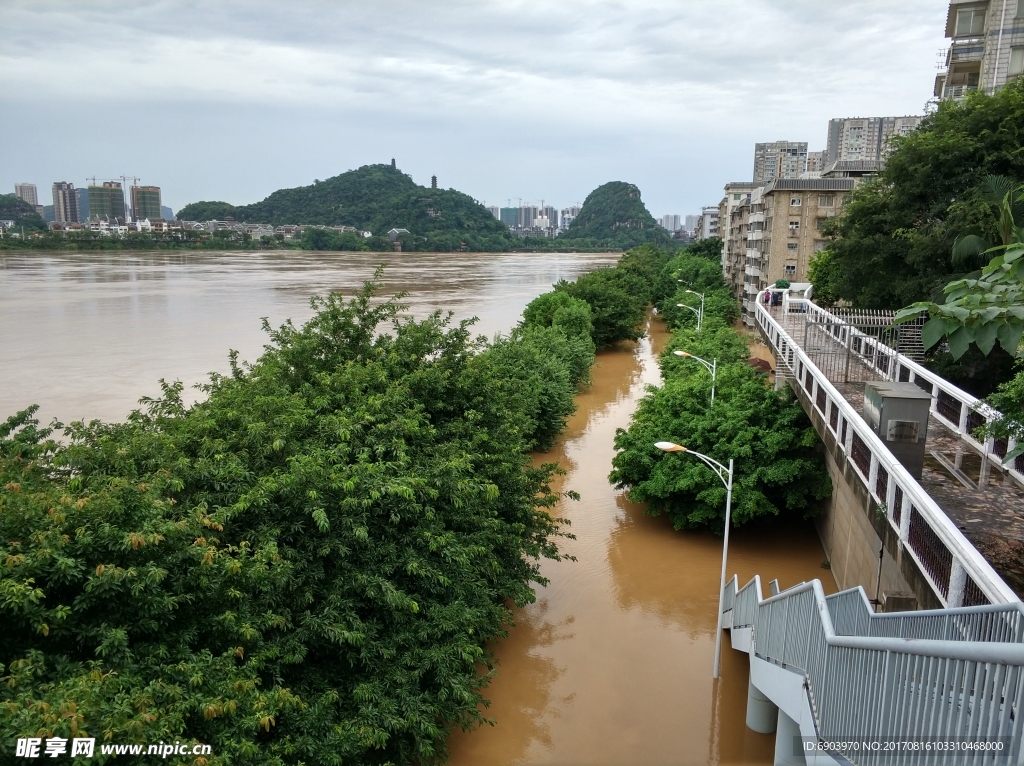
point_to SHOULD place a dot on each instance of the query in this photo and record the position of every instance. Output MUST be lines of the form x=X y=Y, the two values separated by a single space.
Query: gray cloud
x=232 y=100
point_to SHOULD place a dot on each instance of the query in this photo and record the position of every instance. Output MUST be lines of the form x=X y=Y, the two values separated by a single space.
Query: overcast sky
x=540 y=100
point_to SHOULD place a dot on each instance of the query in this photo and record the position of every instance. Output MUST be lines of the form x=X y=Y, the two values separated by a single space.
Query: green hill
x=614 y=214
x=373 y=198
x=15 y=209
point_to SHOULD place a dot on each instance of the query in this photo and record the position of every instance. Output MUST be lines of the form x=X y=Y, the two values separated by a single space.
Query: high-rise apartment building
x=779 y=159
x=865 y=138
x=987 y=48
x=495 y=211
x=567 y=216
x=106 y=201
x=145 y=203
x=671 y=223
x=27 y=192
x=690 y=223
x=509 y=216
x=83 y=204
x=527 y=215
x=551 y=214
x=816 y=161
x=65 y=203
x=736 y=193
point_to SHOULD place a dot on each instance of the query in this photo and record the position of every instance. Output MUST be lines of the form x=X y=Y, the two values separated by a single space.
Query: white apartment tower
x=986 y=49
x=865 y=138
x=27 y=192
x=779 y=159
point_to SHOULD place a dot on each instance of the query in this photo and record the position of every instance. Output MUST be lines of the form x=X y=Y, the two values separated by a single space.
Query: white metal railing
x=957 y=572
x=956 y=409
x=950 y=674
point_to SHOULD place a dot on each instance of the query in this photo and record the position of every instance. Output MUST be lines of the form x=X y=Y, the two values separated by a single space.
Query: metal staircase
x=928 y=687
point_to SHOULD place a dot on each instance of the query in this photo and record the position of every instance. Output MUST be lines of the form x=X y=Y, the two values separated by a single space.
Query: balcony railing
x=957 y=91
x=959 y=575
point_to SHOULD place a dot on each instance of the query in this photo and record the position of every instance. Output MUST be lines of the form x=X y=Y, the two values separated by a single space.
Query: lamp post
x=725 y=474
x=701 y=296
x=711 y=367
x=695 y=311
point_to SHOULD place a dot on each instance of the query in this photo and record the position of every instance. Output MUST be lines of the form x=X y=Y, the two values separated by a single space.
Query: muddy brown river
x=612 y=664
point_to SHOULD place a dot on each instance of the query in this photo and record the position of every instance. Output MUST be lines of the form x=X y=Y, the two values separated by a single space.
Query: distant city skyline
x=548 y=101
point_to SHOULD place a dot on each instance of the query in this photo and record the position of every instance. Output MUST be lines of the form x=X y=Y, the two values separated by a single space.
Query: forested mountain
x=15 y=209
x=373 y=198
x=614 y=213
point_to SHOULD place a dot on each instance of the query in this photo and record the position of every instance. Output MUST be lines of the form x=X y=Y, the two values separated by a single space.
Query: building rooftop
x=809 y=184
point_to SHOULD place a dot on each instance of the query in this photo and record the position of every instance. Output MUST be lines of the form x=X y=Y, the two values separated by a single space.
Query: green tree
x=896 y=234
x=765 y=432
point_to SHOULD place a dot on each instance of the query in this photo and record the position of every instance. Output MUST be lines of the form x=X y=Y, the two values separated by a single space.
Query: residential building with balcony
x=707 y=223
x=145 y=202
x=784 y=231
x=734 y=235
x=986 y=47
x=736 y=193
x=106 y=201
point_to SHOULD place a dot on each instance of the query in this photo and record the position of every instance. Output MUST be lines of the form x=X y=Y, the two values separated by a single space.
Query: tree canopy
x=13 y=208
x=894 y=239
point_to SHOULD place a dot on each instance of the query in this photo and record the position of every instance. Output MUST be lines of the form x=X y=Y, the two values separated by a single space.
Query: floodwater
x=85 y=335
x=613 y=663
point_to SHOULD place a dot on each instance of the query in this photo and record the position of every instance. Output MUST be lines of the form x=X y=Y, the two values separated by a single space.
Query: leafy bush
x=765 y=432
x=306 y=566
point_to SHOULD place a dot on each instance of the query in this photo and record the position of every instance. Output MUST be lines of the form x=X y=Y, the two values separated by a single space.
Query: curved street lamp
x=695 y=311
x=725 y=474
x=701 y=296
x=711 y=367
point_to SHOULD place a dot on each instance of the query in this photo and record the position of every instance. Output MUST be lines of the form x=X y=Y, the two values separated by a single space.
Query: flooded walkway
x=612 y=664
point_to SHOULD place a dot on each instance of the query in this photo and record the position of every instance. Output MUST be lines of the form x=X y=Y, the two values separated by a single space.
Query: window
x=790 y=270
x=819 y=223
x=829 y=200
x=970 y=21
x=794 y=202
x=819 y=245
x=1016 y=60
x=794 y=225
x=1020 y=9
x=735 y=196
x=792 y=245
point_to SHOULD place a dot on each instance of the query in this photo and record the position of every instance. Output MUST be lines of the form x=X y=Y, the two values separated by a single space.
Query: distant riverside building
x=987 y=48
x=527 y=215
x=27 y=192
x=567 y=215
x=509 y=216
x=551 y=214
x=145 y=202
x=690 y=223
x=106 y=201
x=865 y=138
x=779 y=159
x=671 y=223
x=65 y=203
x=83 y=204
x=495 y=211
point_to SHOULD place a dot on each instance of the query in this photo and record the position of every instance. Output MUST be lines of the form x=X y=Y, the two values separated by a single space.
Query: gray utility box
x=898 y=414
